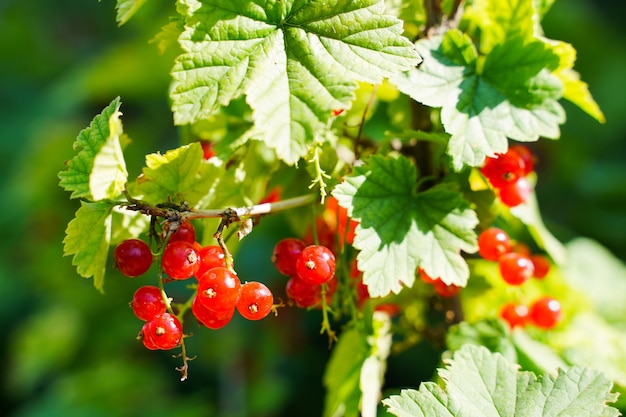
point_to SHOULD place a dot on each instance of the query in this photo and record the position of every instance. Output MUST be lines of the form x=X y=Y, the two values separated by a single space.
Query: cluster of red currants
x=309 y=268
x=219 y=290
x=508 y=173
x=517 y=265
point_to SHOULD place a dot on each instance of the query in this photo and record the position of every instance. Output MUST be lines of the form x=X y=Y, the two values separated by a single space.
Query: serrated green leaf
x=87 y=237
x=295 y=60
x=98 y=170
x=179 y=175
x=481 y=383
x=511 y=96
x=400 y=230
x=126 y=9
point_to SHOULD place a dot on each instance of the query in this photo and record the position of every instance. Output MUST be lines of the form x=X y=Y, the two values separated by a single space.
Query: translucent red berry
x=210 y=257
x=515 y=193
x=208 y=318
x=542 y=266
x=285 y=255
x=545 y=312
x=185 y=232
x=516 y=315
x=303 y=294
x=164 y=332
x=255 y=300
x=218 y=289
x=425 y=277
x=316 y=265
x=515 y=268
x=180 y=260
x=504 y=168
x=207 y=149
x=132 y=257
x=493 y=243
x=148 y=302
x=445 y=290
x=527 y=156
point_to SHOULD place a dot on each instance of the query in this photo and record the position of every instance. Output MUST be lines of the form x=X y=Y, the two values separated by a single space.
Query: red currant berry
x=425 y=277
x=515 y=193
x=180 y=260
x=207 y=150
x=255 y=301
x=516 y=315
x=493 y=243
x=132 y=257
x=445 y=290
x=522 y=248
x=146 y=338
x=504 y=168
x=303 y=294
x=209 y=318
x=542 y=266
x=148 y=302
x=273 y=196
x=391 y=309
x=527 y=156
x=218 y=289
x=316 y=265
x=210 y=257
x=164 y=331
x=545 y=312
x=185 y=232
x=285 y=255
x=515 y=268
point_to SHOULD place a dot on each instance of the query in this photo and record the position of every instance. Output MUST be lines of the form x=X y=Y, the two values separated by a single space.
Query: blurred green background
x=70 y=351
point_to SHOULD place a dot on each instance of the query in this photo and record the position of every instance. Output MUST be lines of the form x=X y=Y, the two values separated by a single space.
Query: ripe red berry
x=208 y=318
x=207 y=150
x=164 y=332
x=493 y=243
x=185 y=232
x=527 y=156
x=145 y=337
x=210 y=257
x=255 y=300
x=516 y=315
x=515 y=193
x=515 y=268
x=445 y=290
x=426 y=278
x=180 y=260
x=504 y=168
x=285 y=255
x=303 y=294
x=316 y=265
x=148 y=302
x=542 y=266
x=132 y=257
x=545 y=312
x=218 y=289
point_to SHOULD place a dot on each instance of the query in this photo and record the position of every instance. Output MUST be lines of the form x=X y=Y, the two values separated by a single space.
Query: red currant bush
x=180 y=260
x=208 y=318
x=515 y=268
x=133 y=257
x=493 y=243
x=162 y=332
x=148 y=303
x=316 y=265
x=516 y=315
x=255 y=301
x=545 y=312
x=218 y=289
x=285 y=255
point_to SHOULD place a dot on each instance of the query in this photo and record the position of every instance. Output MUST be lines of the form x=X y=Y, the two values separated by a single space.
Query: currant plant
x=392 y=136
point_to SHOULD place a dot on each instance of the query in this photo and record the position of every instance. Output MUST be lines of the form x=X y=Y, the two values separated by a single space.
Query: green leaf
x=98 y=170
x=481 y=383
x=512 y=95
x=126 y=9
x=490 y=333
x=400 y=229
x=87 y=237
x=342 y=374
x=179 y=175
x=296 y=61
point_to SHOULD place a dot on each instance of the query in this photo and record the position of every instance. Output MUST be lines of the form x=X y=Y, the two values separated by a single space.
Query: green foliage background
x=70 y=351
